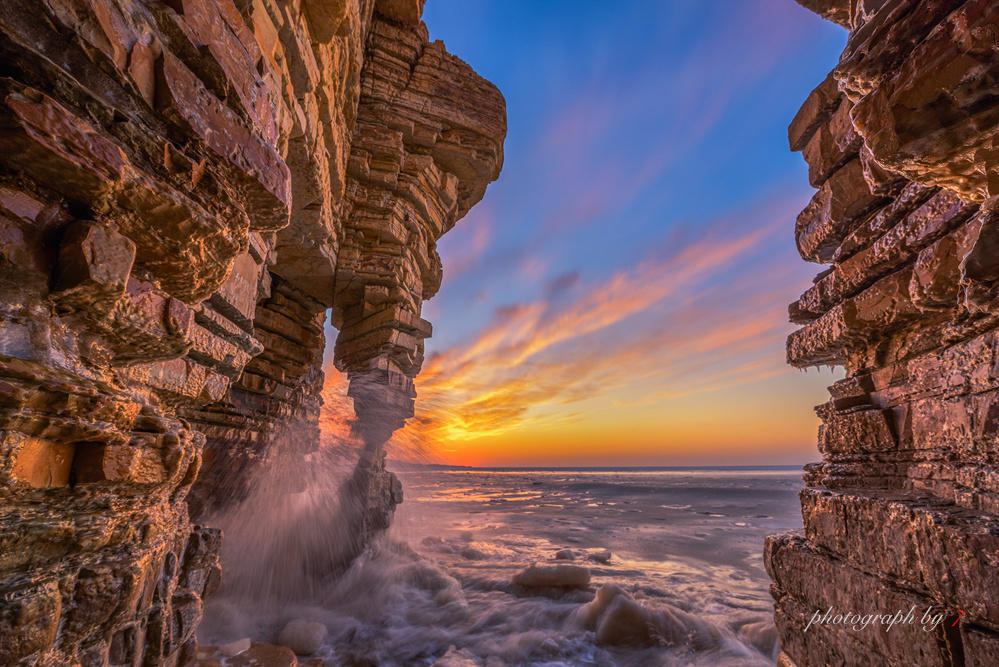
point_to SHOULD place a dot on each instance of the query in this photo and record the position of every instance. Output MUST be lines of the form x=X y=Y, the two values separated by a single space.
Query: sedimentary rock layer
x=903 y=509
x=187 y=187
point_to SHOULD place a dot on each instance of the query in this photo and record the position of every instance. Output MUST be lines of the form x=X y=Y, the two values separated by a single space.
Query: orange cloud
x=699 y=318
x=536 y=358
x=473 y=235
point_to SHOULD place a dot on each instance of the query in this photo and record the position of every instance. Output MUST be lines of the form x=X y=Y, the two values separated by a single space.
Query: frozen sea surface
x=684 y=544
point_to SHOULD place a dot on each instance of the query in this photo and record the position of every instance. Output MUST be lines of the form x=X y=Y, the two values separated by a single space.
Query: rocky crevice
x=903 y=509
x=186 y=188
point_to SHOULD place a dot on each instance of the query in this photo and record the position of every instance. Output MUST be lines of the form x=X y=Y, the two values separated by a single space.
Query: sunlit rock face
x=903 y=510
x=186 y=188
x=426 y=143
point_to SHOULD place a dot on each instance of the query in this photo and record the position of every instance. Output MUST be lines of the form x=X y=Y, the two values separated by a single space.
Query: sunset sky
x=619 y=297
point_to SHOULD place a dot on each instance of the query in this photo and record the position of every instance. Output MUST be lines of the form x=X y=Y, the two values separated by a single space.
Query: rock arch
x=187 y=187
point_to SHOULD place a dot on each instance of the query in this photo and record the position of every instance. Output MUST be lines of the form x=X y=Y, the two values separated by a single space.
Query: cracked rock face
x=903 y=509
x=186 y=188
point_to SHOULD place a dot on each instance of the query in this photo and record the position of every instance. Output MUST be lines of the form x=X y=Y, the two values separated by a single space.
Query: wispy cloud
x=473 y=236
x=685 y=319
x=618 y=136
x=597 y=271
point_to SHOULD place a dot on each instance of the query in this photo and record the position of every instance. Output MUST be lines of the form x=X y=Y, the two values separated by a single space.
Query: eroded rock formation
x=186 y=188
x=903 y=510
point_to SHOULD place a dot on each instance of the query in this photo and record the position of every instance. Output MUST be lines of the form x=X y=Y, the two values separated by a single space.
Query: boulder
x=264 y=655
x=303 y=637
x=619 y=620
x=552 y=576
x=456 y=657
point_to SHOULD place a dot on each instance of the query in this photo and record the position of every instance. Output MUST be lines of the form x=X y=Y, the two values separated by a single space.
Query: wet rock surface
x=186 y=188
x=303 y=637
x=619 y=620
x=902 y=509
x=252 y=654
x=552 y=576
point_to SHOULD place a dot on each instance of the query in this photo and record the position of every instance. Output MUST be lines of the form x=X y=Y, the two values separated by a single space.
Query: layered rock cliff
x=187 y=187
x=903 y=510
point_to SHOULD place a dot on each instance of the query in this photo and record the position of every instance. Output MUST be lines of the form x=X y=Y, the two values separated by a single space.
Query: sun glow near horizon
x=619 y=297
x=655 y=364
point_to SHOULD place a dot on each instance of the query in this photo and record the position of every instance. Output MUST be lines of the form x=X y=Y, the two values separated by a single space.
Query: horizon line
x=447 y=466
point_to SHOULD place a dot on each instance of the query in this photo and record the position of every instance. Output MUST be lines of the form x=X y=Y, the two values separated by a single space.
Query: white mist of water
x=685 y=566
x=284 y=543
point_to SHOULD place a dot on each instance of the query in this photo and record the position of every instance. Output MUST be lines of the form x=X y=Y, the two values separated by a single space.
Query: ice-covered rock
x=588 y=614
x=762 y=635
x=552 y=576
x=235 y=648
x=619 y=620
x=471 y=553
x=603 y=556
x=302 y=636
x=625 y=623
x=456 y=657
x=264 y=655
x=432 y=541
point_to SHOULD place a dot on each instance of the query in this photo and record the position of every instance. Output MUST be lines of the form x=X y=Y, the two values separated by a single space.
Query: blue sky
x=628 y=274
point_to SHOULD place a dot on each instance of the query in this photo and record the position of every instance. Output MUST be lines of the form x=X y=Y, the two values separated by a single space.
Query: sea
x=674 y=558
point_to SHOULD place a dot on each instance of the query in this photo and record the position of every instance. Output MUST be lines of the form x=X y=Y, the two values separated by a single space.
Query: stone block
x=808 y=582
x=818 y=106
x=404 y=11
x=42 y=464
x=93 y=266
x=894 y=249
x=29 y=620
x=837 y=11
x=857 y=433
x=856 y=322
x=918 y=71
x=950 y=555
x=981 y=647
x=833 y=144
x=236 y=298
x=48 y=141
x=260 y=171
x=833 y=212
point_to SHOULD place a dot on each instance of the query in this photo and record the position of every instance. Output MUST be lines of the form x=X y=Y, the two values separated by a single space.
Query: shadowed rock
x=187 y=189
x=905 y=214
